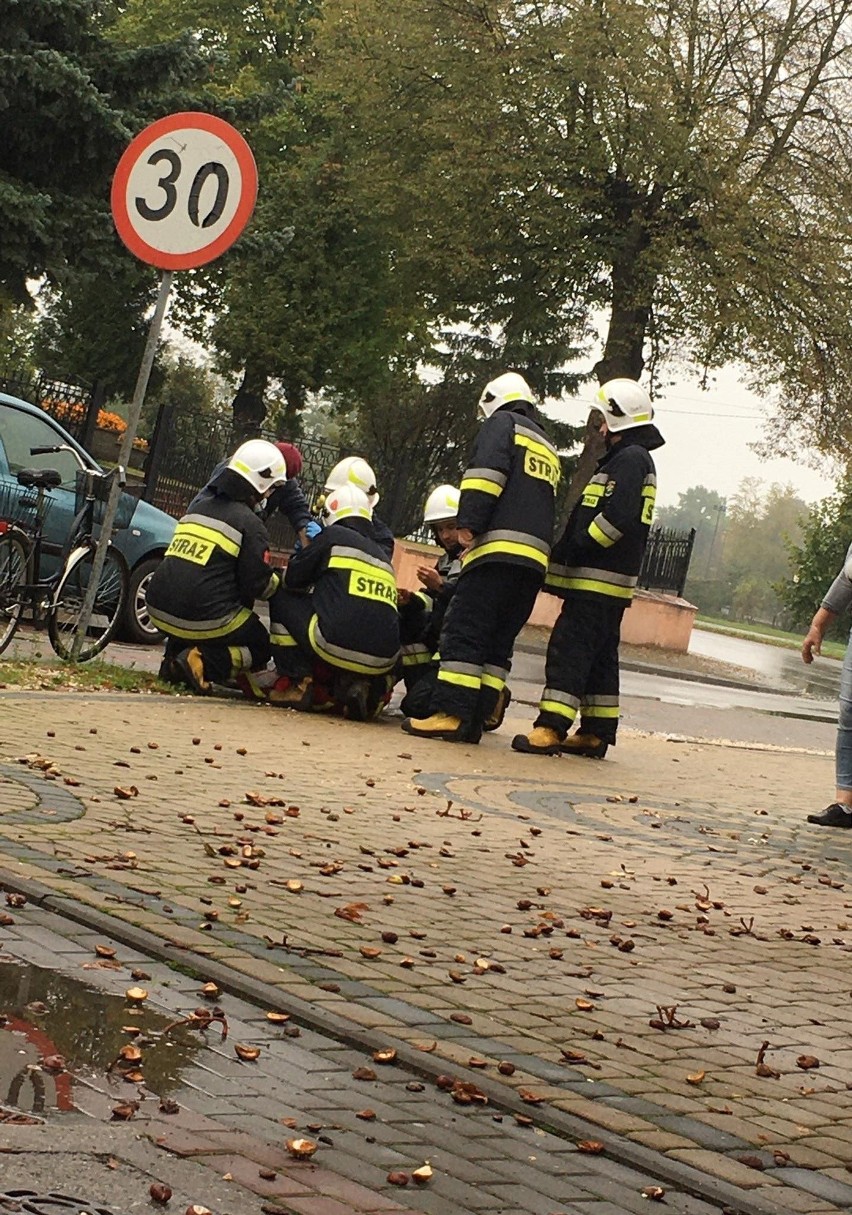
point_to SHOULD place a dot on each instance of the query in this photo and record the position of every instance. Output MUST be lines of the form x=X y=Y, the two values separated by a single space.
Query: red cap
x=292 y=458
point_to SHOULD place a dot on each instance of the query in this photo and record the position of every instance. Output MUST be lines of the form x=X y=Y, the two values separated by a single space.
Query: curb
x=733 y=1199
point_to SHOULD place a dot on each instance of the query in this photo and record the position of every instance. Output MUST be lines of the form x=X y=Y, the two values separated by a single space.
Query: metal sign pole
x=124 y=453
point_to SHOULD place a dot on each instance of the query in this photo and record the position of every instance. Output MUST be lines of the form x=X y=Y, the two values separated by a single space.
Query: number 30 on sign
x=184 y=190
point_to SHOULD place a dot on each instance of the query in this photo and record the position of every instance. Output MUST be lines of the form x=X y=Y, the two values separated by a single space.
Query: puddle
x=51 y=1014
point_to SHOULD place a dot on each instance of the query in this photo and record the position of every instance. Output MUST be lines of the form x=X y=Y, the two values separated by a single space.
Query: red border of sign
x=118 y=196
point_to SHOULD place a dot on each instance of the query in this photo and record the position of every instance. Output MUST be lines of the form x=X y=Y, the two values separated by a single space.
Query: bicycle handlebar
x=50 y=451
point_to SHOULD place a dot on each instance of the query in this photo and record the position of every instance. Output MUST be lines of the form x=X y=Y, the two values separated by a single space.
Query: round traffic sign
x=184 y=190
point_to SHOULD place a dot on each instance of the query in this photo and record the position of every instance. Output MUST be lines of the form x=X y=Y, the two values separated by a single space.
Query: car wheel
x=136 y=626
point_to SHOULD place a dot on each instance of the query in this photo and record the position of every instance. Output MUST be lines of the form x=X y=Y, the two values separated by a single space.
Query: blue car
x=23 y=426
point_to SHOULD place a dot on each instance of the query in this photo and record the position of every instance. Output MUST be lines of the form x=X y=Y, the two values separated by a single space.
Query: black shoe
x=355 y=704
x=170 y=672
x=834 y=815
x=191 y=665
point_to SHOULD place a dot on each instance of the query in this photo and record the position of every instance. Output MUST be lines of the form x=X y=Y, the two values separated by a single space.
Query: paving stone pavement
x=224 y=1147
x=509 y=908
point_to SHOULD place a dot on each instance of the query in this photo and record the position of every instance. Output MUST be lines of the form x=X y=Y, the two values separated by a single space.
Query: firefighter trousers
x=581 y=669
x=246 y=648
x=491 y=605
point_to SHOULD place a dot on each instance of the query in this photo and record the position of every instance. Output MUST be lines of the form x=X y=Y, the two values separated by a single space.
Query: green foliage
x=817 y=559
x=70 y=99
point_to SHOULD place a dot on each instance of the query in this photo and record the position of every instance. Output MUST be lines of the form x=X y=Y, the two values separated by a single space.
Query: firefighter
x=337 y=607
x=202 y=593
x=594 y=569
x=422 y=612
x=289 y=498
x=505 y=525
x=353 y=470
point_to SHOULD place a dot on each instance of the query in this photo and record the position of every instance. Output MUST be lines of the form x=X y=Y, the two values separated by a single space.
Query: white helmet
x=442 y=504
x=348 y=502
x=353 y=471
x=260 y=463
x=624 y=404
x=507 y=387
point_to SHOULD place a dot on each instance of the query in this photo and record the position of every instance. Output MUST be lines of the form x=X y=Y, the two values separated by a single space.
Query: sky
x=708 y=437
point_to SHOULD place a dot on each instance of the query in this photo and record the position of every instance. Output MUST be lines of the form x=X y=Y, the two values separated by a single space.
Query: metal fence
x=666 y=562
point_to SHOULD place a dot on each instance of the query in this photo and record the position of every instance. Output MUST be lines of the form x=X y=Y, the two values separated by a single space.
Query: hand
x=430 y=578
x=312 y=529
x=465 y=537
x=812 y=644
x=403 y=596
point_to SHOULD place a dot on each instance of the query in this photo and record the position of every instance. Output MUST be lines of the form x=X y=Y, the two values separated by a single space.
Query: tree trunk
x=248 y=406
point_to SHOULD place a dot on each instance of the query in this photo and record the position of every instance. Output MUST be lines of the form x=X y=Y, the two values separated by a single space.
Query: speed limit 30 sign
x=184 y=190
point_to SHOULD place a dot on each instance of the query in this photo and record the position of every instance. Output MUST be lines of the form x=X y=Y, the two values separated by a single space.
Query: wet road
x=784 y=667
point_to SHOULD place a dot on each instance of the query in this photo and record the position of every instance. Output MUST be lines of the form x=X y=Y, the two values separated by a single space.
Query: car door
x=19 y=432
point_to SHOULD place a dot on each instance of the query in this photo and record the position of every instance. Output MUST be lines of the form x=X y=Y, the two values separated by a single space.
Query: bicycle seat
x=39 y=478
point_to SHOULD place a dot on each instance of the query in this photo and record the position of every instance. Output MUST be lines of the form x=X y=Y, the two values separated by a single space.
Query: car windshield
x=21 y=431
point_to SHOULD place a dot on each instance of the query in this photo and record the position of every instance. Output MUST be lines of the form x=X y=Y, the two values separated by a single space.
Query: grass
x=765 y=633
x=43 y=675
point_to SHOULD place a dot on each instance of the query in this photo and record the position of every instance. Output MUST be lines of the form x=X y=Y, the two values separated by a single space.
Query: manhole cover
x=31 y=1203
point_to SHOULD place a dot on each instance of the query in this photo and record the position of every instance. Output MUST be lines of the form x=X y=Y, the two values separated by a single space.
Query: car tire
x=136 y=626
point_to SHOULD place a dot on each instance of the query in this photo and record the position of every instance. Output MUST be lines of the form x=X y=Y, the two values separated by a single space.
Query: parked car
x=24 y=426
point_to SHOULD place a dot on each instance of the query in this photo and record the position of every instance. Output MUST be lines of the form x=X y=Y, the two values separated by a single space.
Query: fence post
x=97 y=399
x=159 y=441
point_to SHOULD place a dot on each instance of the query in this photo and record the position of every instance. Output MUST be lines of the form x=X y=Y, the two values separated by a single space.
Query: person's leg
x=289 y=618
x=599 y=709
x=512 y=611
x=839 y=813
x=571 y=653
x=465 y=638
x=221 y=659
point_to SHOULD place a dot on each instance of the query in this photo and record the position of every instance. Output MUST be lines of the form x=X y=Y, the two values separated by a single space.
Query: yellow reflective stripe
x=600 y=536
x=201 y=634
x=463 y=681
x=599 y=710
x=554 y=706
x=508 y=548
x=590 y=584
x=493 y=681
x=335 y=660
x=361 y=567
x=649 y=491
x=210 y=534
x=594 y=490
x=485 y=487
x=540 y=449
x=282 y=639
x=413 y=660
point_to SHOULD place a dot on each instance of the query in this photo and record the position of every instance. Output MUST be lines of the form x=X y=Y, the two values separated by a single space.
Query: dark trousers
x=581 y=670
x=491 y=605
x=246 y=648
x=290 y=615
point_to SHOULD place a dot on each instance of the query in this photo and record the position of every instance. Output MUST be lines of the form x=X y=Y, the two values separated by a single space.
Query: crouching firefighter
x=505 y=524
x=202 y=593
x=594 y=569
x=334 y=620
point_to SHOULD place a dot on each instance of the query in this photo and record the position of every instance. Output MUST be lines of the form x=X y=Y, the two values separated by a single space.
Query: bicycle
x=57 y=599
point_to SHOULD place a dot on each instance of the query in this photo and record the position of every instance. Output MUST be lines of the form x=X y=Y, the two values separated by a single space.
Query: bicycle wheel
x=68 y=604
x=14 y=554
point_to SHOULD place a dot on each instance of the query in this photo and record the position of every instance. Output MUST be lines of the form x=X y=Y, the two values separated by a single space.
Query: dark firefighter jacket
x=215 y=567
x=355 y=623
x=604 y=541
x=436 y=603
x=508 y=491
x=288 y=498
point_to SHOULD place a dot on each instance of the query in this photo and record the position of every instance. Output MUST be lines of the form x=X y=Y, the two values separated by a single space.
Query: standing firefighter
x=595 y=568
x=217 y=565
x=505 y=523
x=336 y=612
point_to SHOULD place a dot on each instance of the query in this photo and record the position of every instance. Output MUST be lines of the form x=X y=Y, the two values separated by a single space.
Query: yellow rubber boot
x=441 y=726
x=541 y=740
